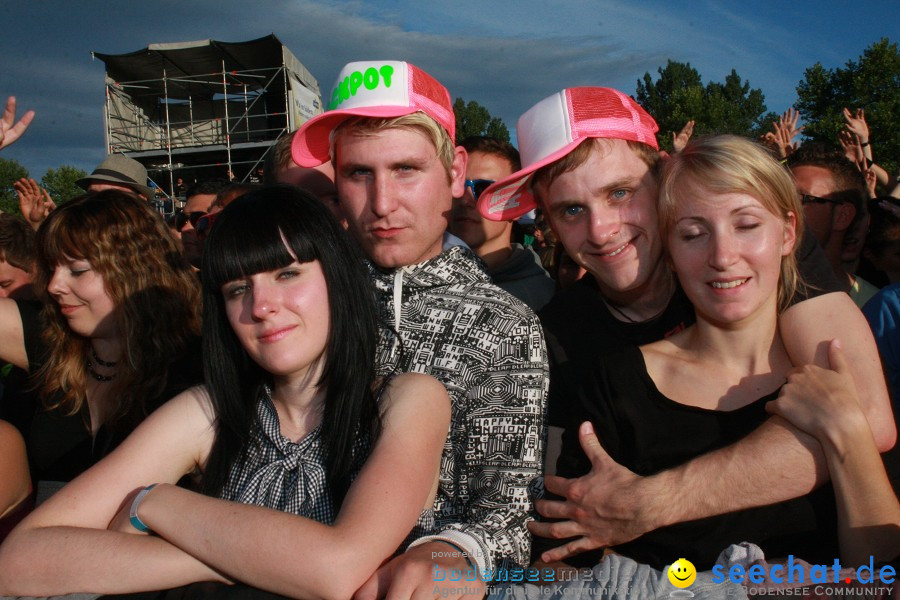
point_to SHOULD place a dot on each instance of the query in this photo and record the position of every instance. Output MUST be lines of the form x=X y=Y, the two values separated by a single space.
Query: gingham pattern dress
x=290 y=476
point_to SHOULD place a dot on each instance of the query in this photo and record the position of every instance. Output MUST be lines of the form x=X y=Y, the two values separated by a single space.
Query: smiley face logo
x=682 y=573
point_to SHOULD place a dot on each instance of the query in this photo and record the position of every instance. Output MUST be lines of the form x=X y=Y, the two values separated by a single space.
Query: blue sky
x=507 y=55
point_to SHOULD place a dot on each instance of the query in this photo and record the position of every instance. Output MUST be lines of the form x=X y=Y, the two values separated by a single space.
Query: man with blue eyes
x=590 y=159
x=389 y=133
x=512 y=267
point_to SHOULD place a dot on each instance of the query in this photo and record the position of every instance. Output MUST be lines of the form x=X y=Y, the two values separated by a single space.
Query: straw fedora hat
x=121 y=170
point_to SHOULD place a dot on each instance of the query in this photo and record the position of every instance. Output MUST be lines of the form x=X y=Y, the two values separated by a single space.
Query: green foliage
x=871 y=83
x=474 y=119
x=60 y=183
x=10 y=172
x=679 y=96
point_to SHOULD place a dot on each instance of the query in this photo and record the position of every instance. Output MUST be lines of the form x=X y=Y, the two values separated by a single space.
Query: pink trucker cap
x=552 y=128
x=376 y=88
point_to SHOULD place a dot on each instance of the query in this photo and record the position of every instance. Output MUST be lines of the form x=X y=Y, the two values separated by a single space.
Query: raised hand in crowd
x=856 y=124
x=853 y=151
x=785 y=130
x=861 y=156
x=10 y=132
x=680 y=140
x=34 y=201
x=871 y=182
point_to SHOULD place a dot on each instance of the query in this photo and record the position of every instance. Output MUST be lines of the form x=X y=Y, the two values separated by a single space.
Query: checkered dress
x=278 y=473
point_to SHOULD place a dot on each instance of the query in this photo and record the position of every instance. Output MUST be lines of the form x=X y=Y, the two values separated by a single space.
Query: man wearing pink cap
x=590 y=158
x=389 y=132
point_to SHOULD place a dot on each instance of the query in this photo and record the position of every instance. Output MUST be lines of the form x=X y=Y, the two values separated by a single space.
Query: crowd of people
x=403 y=356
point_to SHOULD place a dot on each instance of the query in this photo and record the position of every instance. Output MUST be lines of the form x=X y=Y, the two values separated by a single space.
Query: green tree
x=60 y=183
x=10 y=172
x=474 y=119
x=871 y=83
x=679 y=96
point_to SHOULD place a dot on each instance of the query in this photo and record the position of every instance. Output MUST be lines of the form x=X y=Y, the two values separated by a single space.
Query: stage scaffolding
x=205 y=109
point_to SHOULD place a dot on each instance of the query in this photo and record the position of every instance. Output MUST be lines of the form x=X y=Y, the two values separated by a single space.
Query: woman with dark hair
x=114 y=335
x=292 y=418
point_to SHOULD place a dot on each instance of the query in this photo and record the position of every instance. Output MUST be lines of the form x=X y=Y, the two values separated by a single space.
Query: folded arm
x=299 y=557
x=64 y=546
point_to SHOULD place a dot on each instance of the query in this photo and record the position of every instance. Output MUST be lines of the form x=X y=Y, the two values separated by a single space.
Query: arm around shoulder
x=808 y=327
x=788 y=460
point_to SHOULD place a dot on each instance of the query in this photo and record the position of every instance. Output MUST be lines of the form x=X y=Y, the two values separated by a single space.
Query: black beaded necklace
x=96 y=375
x=102 y=363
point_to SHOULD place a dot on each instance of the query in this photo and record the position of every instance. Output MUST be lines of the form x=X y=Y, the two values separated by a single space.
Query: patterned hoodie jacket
x=487 y=348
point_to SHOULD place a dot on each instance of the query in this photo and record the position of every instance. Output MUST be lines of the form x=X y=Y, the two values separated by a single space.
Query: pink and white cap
x=378 y=88
x=552 y=128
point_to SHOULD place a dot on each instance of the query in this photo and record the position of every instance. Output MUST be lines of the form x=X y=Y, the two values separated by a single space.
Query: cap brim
x=511 y=197
x=310 y=146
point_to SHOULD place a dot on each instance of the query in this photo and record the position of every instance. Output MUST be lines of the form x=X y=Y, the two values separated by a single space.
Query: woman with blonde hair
x=115 y=334
x=730 y=220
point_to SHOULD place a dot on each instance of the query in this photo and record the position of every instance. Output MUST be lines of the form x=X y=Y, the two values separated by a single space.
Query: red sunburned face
x=395 y=194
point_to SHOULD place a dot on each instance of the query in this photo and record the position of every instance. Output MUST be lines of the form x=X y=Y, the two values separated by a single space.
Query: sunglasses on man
x=205 y=223
x=478 y=186
x=182 y=219
x=808 y=199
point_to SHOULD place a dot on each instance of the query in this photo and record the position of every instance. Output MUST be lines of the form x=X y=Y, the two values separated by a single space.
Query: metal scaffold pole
x=227 y=132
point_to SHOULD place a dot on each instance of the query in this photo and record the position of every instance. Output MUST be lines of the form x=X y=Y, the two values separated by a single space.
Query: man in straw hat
x=120 y=173
x=590 y=160
x=389 y=133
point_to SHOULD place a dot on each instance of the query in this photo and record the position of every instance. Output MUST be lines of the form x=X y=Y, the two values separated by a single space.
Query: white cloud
x=506 y=54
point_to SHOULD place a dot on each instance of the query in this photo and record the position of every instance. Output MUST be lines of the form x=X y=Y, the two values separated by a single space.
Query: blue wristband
x=132 y=514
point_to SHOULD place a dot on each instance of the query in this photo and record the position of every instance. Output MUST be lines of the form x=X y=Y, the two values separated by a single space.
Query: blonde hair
x=157 y=300
x=727 y=164
x=417 y=121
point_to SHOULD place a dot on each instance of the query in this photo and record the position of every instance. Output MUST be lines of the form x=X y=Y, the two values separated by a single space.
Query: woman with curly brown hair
x=117 y=334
